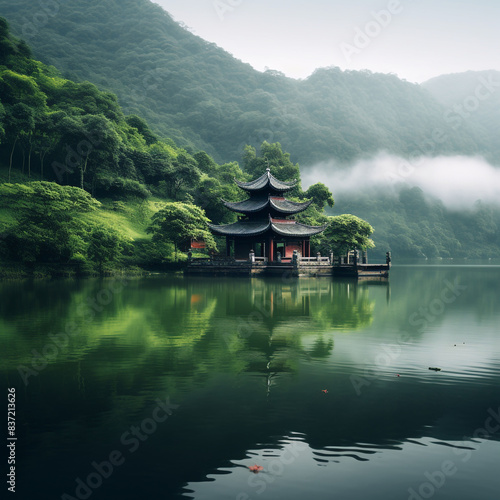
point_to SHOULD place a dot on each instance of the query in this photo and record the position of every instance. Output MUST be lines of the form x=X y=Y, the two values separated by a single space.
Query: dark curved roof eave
x=241 y=228
x=256 y=205
x=297 y=229
x=266 y=180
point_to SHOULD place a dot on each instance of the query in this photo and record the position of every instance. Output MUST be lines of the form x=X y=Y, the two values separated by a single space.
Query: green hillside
x=197 y=94
x=80 y=181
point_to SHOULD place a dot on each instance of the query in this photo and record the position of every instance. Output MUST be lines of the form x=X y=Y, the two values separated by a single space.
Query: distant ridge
x=202 y=97
x=472 y=98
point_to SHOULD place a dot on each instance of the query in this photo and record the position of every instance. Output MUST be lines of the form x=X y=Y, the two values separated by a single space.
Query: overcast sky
x=415 y=39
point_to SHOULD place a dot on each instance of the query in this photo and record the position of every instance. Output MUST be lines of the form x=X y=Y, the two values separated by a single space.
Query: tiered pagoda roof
x=282 y=227
x=266 y=211
x=256 y=204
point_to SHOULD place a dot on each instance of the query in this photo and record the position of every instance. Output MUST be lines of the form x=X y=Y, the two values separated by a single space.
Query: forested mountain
x=472 y=98
x=53 y=129
x=199 y=95
x=78 y=133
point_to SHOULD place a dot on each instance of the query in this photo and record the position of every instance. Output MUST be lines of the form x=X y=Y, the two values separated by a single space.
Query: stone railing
x=216 y=261
x=315 y=261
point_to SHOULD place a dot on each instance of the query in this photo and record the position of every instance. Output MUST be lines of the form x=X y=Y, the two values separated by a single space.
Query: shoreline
x=47 y=272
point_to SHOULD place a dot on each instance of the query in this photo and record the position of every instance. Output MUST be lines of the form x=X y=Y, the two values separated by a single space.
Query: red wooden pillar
x=303 y=252
x=271 y=249
x=308 y=248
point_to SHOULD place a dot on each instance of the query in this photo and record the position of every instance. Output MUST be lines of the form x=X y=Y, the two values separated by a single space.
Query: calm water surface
x=171 y=387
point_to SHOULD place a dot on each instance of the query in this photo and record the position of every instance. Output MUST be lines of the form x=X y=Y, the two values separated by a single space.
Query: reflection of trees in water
x=178 y=328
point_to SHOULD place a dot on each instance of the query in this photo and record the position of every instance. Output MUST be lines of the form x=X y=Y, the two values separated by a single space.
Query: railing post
x=295 y=259
x=318 y=256
x=331 y=258
x=251 y=257
x=278 y=256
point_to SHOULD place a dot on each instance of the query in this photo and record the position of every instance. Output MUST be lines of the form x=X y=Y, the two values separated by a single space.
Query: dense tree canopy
x=48 y=226
x=343 y=234
x=179 y=223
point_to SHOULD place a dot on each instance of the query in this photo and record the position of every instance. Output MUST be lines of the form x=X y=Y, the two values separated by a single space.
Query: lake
x=172 y=387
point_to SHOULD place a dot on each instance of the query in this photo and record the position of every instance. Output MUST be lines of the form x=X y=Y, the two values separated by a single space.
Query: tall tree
x=345 y=233
x=104 y=246
x=179 y=223
x=20 y=122
x=90 y=142
x=320 y=195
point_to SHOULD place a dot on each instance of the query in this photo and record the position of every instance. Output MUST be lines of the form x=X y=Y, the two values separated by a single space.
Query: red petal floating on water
x=256 y=468
x=324 y=390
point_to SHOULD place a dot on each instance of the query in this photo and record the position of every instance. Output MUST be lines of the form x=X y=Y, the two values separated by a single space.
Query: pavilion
x=263 y=226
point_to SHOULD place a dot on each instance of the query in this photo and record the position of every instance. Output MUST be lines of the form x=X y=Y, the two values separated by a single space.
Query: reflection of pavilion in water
x=294 y=320
x=317 y=304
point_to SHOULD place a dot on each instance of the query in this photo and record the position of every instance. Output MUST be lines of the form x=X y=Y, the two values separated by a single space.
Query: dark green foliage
x=52 y=228
x=178 y=223
x=119 y=187
x=104 y=246
x=320 y=195
x=278 y=162
x=143 y=129
x=46 y=229
x=343 y=234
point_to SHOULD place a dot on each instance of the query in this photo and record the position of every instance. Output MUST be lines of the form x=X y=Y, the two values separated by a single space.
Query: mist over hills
x=201 y=96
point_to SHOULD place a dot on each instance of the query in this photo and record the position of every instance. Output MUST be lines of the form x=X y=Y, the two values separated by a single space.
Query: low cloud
x=459 y=181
